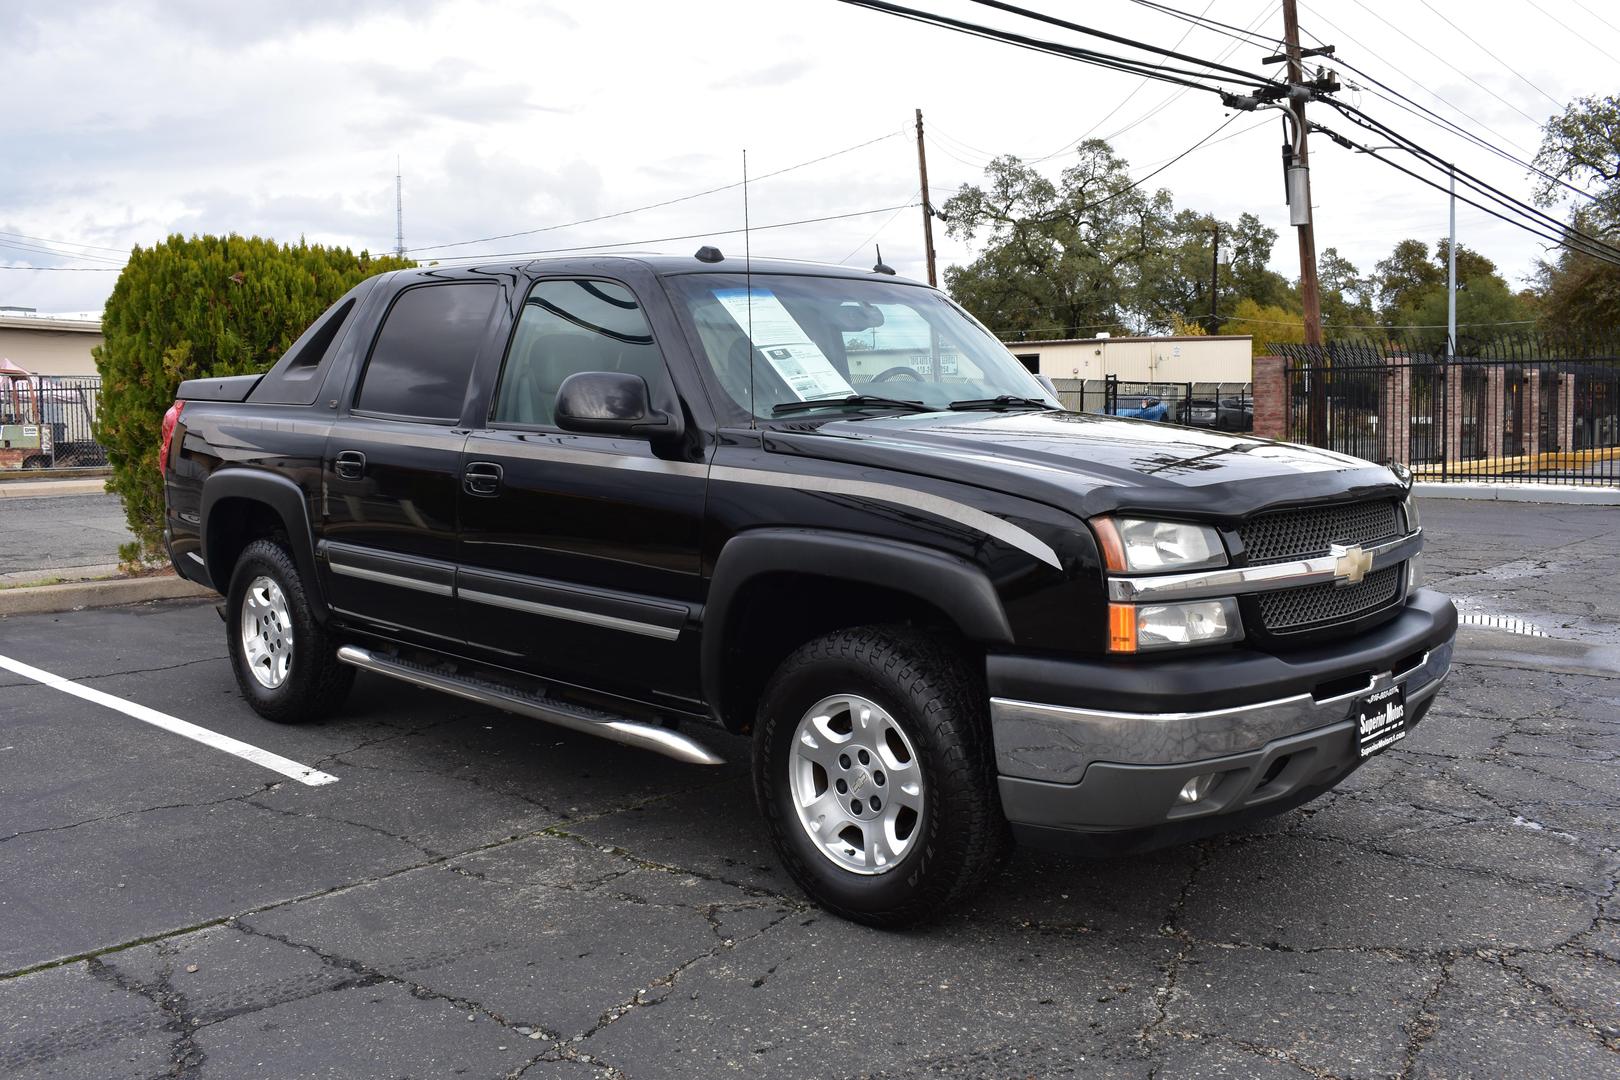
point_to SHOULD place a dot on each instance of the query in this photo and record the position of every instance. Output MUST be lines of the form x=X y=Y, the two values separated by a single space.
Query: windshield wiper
x=849 y=399
x=1003 y=401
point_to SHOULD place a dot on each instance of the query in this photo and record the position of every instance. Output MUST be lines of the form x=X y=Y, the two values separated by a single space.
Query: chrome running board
x=564 y=714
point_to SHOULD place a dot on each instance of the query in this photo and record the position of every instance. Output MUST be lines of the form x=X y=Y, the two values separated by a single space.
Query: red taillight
x=170 y=418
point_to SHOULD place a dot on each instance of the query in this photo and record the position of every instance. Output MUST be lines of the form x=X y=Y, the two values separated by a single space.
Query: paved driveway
x=476 y=895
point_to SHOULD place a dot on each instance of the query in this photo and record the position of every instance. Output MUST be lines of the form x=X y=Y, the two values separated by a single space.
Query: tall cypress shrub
x=194 y=308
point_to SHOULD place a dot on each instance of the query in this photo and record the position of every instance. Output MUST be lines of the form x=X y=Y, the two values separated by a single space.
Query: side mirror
x=611 y=403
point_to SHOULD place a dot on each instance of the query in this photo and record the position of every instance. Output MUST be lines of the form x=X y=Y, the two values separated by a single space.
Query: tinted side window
x=568 y=327
x=424 y=354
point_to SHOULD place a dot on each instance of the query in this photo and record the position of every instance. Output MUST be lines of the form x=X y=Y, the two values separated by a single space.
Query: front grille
x=1311 y=531
x=1292 y=610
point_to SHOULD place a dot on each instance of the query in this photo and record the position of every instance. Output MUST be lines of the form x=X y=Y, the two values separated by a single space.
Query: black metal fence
x=1525 y=409
x=47 y=422
x=1224 y=406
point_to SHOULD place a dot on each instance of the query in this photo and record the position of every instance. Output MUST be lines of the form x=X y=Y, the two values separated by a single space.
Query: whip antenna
x=748 y=284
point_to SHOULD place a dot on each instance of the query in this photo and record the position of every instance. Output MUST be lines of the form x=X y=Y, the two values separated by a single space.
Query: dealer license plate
x=1381 y=720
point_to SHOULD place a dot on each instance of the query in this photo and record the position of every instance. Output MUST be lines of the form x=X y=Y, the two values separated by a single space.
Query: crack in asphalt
x=117 y=674
x=185 y=1056
x=258 y=790
x=366 y=975
x=348 y=886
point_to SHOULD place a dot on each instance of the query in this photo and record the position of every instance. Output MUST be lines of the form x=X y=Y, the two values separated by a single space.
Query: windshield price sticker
x=1381 y=721
x=784 y=344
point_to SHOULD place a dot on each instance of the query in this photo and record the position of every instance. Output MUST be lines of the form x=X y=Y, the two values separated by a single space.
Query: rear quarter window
x=423 y=356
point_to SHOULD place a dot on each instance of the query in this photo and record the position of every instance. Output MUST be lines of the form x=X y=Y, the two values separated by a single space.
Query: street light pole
x=1451 y=273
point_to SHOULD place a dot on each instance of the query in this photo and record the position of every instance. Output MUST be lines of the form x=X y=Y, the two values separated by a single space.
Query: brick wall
x=1270 y=398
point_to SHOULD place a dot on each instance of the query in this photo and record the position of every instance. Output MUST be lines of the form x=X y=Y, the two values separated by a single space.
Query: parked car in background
x=1224 y=414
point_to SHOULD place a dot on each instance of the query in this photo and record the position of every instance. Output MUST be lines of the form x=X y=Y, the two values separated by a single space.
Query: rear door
x=391 y=471
x=580 y=554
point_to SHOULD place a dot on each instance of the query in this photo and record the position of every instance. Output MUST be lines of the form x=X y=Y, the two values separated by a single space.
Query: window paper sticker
x=784 y=344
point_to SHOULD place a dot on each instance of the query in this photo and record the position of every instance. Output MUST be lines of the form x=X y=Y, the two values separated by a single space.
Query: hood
x=1089 y=464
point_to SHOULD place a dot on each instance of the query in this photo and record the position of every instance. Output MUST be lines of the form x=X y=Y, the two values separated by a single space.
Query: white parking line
x=246 y=751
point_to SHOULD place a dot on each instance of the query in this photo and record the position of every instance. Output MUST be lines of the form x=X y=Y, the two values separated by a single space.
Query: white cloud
x=133 y=120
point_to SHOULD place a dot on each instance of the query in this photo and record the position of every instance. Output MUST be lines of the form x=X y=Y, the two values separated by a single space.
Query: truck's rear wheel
x=284 y=662
x=873 y=769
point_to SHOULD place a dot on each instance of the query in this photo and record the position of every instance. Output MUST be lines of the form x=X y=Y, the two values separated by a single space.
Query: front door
x=580 y=553
x=391 y=471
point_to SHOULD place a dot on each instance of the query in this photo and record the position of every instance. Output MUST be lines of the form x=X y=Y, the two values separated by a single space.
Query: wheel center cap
x=862 y=778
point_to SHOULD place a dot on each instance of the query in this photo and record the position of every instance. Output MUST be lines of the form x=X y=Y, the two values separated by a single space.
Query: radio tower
x=399 y=212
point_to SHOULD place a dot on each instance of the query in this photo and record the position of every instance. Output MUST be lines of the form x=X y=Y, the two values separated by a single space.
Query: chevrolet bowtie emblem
x=1351 y=563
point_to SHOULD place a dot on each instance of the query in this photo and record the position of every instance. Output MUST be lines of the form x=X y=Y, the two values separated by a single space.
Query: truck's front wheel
x=285 y=663
x=873 y=768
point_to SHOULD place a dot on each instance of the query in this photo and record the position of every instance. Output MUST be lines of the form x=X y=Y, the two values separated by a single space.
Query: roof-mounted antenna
x=748 y=284
x=881 y=267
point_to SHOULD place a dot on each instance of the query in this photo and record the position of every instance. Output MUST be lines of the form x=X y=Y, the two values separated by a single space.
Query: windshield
x=835 y=337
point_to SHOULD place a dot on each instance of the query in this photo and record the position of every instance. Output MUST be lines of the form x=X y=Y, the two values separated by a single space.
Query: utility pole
x=399 y=211
x=1310 y=290
x=927 y=207
x=1214 y=279
x=1451 y=273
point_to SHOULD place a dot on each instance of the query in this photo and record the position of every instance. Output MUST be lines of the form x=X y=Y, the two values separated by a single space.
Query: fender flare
x=956 y=586
x=281 y=495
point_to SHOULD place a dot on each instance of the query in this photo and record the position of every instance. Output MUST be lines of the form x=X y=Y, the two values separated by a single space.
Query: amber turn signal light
x=1113 y=548
x=1122 y=628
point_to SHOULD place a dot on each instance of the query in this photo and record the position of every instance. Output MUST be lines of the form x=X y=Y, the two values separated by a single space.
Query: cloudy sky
x=128 y=121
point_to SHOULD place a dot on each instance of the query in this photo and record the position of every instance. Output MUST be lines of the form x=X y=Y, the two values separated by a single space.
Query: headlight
x=1134 y=546
x=1133 y=628
x=1410 y=508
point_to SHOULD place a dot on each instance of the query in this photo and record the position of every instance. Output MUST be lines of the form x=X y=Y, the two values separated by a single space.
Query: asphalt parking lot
x=478 y=895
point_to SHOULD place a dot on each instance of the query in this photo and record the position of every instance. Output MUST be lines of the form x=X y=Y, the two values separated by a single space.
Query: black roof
x=658 y=263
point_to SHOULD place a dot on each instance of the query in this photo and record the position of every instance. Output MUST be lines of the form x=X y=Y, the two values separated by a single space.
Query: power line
x=1069 y=52
x=685 y=236
x=1126 y=100
x=1243 y=35
x=1489 y=191
x=1443 y=100
x=1576 y=32
x=64 y=243
x=1117 y=39
x=1383 y=326
x=1267 y=7
x=1448 y=63
x=1601 y=251
x=663 y=203
x=1596 y=16
x=1428 y=115
x=68 y=269
x=35 y=249
x=880 y=229
x=1516 y=72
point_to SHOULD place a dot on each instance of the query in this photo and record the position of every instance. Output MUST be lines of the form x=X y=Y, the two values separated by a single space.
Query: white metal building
x=49 y=344
x=1216 y=358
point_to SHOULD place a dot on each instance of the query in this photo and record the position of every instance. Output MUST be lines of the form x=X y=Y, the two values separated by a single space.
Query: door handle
x=482 y=478
x=350 y=465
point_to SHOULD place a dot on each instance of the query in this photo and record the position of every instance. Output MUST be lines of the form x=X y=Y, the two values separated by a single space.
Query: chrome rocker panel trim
x=604 y=725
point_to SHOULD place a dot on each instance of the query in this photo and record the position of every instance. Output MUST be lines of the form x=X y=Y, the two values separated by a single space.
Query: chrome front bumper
x=1056 y=744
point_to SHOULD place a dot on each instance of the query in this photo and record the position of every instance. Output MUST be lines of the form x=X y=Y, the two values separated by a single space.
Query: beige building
x=49 y=344
x=1216 y=358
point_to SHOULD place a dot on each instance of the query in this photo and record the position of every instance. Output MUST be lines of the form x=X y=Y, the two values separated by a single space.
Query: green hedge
x=192 y=308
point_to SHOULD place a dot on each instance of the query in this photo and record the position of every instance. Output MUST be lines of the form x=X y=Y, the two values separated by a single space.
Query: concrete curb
x=34 y=489
x=44 y=599
x=1567 y=494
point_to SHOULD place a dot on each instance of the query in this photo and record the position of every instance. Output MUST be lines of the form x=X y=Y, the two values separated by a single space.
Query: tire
x=922 y=689
x=284 y=661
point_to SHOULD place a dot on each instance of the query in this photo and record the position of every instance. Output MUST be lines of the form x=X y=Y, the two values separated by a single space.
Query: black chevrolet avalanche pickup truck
x=826 y=509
